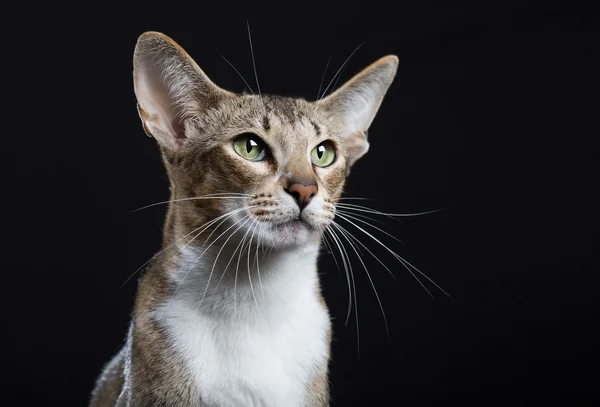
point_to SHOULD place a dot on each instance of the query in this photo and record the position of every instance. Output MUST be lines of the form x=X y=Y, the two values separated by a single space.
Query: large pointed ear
x=355 y=104
x=170 y=88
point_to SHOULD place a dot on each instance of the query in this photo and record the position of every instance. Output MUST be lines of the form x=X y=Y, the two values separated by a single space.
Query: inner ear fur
x=170 y=88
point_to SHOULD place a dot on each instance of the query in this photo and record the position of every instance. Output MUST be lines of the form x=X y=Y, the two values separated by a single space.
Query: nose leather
x=302 y=193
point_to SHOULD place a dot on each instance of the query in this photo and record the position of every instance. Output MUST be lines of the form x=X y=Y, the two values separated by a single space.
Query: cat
x=233 y=314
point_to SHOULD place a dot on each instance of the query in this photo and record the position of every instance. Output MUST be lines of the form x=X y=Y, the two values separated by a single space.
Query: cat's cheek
x=333 y=179
x=239 y=173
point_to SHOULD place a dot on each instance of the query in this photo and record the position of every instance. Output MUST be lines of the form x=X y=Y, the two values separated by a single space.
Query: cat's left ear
x=355 y=104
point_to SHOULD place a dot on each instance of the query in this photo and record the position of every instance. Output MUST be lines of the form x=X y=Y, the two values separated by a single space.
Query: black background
x=492 y=115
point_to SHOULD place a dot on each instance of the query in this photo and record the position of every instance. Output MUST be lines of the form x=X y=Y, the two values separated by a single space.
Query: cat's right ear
x=170 y=89
x=355 y=104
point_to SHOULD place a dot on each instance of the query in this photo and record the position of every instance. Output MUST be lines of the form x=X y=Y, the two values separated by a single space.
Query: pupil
x=249 y=145
x=320 y=151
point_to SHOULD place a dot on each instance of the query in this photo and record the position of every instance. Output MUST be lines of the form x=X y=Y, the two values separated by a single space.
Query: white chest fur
x=266 y=351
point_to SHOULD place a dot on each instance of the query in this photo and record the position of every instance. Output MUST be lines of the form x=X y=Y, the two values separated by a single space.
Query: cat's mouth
x=297 y=223
x=287 y=231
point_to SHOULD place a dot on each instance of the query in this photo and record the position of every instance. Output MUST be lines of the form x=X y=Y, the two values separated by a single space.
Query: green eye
x=323 y=154
x=250 y=147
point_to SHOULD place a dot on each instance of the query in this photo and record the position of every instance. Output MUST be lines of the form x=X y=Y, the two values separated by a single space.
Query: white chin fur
x=286 y=235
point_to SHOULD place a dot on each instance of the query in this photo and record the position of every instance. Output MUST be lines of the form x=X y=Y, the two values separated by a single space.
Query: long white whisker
x=343 y=251
x=404 y=261
x=237 y=267
x=257 y=260
x=205 y=249
x=341 y=67
x=345 y=233
x=330 y=249
x=249 y=271
x=394 y=254
x=353 y=216
x=205 y=226
x=367 y=249
x=345 y=264
x=236 y=71
x=158 y=254
x=349 y=271
x=399 y=258
x=360 y=215
x=230 y=260
x=364 y=209
x=344 y=198
x=253 y=62
x=361 y=208
x=247 y=217
x=323 y=78
x=215 y=196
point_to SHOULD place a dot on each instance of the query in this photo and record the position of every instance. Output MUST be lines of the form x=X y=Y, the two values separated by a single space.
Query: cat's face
x=282 y=153
x=271 y=166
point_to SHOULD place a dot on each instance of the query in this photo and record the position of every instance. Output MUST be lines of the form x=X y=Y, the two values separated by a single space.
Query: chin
x=292 y=233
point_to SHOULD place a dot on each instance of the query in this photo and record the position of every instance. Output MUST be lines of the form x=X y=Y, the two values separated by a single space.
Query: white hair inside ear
x=169 y=86
x=157 y=109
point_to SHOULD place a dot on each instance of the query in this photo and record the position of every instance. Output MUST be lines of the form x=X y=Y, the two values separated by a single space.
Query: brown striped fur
x=195 y=137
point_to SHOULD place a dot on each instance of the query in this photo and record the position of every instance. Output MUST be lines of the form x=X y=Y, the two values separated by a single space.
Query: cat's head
x=277 y=164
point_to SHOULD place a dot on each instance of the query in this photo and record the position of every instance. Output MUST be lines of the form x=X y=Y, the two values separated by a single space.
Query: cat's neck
x=256 y=325
x=236 y=278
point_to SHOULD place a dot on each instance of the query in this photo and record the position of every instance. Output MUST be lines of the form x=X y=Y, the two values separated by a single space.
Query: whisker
x=360 y=215
x=219 y=253
x=205 y=249
x=394 y=254
x=364 y=209
x=214 y=196
x=343 y=251
x=205 y=226
x=361 y=208
x=249 y=271
x=329 y=248
x=342 y=70
x=230 y=260
x=237 y=267
x=349 y=271
x=345 y=264
x=341 y=67
x=353 y=216
x=156 y=255
x=346 y=198
x=323 y=77
x=253 y=62
x=367 y=249
x=345 y=233
x=401 y=260
x=257 y=262
x=236 y=71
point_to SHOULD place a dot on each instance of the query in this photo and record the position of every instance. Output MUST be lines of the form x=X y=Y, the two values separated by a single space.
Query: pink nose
x=302 y=193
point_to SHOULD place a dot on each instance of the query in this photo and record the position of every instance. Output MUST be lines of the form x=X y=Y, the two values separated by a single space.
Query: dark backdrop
x=491 y=116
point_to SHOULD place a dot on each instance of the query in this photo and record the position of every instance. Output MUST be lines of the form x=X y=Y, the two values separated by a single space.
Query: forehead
x=286 y=124
x=291 y=124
